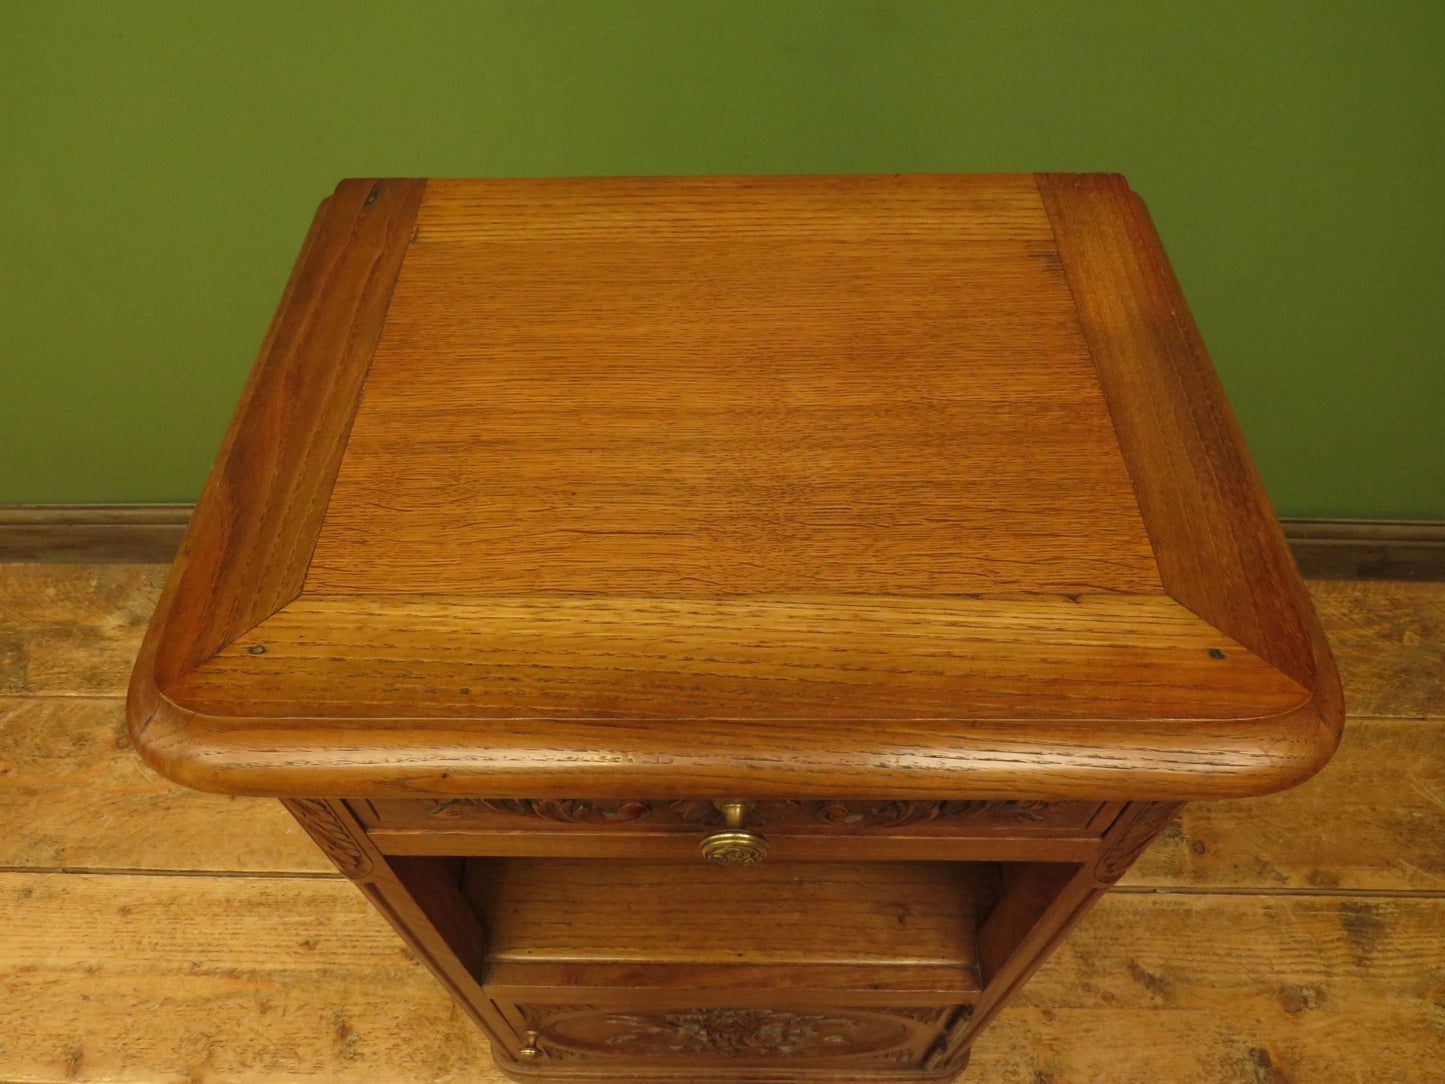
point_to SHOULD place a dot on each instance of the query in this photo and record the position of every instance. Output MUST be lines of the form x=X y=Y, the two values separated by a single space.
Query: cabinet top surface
x=876 y=386
x=574 y=486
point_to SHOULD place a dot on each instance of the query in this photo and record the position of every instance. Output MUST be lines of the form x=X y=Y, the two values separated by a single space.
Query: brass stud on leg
x=530 y=1052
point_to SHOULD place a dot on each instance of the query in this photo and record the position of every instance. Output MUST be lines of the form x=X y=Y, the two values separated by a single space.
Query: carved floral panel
x=769 y=813
x=727 y=1034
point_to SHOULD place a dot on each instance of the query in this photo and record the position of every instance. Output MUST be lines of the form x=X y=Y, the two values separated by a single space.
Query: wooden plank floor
x=152 y=934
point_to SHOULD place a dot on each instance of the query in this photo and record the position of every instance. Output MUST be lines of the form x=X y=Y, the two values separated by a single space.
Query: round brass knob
x=734 y=845
x=530 y=1052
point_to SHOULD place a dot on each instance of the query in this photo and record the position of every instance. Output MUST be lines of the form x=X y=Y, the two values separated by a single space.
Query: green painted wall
x=159 y=163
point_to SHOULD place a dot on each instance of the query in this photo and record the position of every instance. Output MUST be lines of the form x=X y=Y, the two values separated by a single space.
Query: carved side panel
x=332 y=835
x=1130 y=844
x=944 y=1051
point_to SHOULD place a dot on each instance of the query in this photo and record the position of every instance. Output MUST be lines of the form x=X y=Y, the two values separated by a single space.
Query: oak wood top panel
x=896 y=208
x=250 y=538
x=864 y=385
x=1219 y=547
x=1021 y=697
x=757 y=486
x=1120 y=658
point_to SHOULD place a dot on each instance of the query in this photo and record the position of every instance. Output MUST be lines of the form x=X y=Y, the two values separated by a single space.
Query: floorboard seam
x=91 y=871
x=1125 y=890
x=118 y=698
x=1337 y=893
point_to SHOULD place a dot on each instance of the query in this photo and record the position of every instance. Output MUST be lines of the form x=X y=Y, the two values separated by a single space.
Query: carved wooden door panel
x=723 y=1037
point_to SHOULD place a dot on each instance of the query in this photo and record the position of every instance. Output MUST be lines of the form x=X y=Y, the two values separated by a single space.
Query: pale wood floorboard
x=153 y=934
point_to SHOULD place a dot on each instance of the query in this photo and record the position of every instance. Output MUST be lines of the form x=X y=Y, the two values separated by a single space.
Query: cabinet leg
x=422 y=899
x=1043 y=901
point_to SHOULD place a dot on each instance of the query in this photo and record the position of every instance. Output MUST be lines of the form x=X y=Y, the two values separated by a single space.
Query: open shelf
x=901 y=925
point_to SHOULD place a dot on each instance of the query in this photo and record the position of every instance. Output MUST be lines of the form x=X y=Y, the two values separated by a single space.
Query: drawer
x=666 y=828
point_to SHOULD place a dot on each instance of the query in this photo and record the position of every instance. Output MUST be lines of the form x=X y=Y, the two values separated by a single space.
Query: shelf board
x=909 y=923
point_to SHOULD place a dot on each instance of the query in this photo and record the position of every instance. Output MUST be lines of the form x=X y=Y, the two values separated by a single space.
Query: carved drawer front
x=555 y=1036
x=674 y=828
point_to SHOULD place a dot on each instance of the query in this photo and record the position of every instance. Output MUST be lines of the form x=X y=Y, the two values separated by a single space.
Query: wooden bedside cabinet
x=734 y=627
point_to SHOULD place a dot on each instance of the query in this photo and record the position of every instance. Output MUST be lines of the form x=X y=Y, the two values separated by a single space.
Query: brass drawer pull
x=734 y=845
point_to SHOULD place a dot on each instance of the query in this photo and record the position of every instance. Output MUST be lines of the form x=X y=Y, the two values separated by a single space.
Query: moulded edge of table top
x=997 y=759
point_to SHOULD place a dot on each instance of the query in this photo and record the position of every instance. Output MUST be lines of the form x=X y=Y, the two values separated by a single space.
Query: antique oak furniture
x=734 y=627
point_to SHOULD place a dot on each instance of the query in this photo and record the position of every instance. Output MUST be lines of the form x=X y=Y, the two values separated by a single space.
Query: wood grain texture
x=1251 y=1043
x=665 y=913
x=1390 y=642
x=1326 y=549
x=1025 y=697
x=183 y=980
x=1040 y=905
x=727 y=1045
x=675 y=417
x=249 y=976
x=1373 y=821
x=73 y=630
x=1028 y=891
x=419 y=897
x=830 y=819
x=1219 y=548
x=542 y=843
x=251 y=537
x=890 y=208
x=1103 y=658
x=1324 y=990
x=74 y=795
x=732 y=386
x=811 y=502
x=796 y=830
x=1251 y=1007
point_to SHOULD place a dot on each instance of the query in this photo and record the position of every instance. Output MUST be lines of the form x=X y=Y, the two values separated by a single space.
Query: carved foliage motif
x=1129 y=844
x=764 y=813
x=575 y=1031
x=331 y=835
x=896 y=813
x=737 y=1032
x=858 y=814
x=944 y=1049
x=562 y=810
